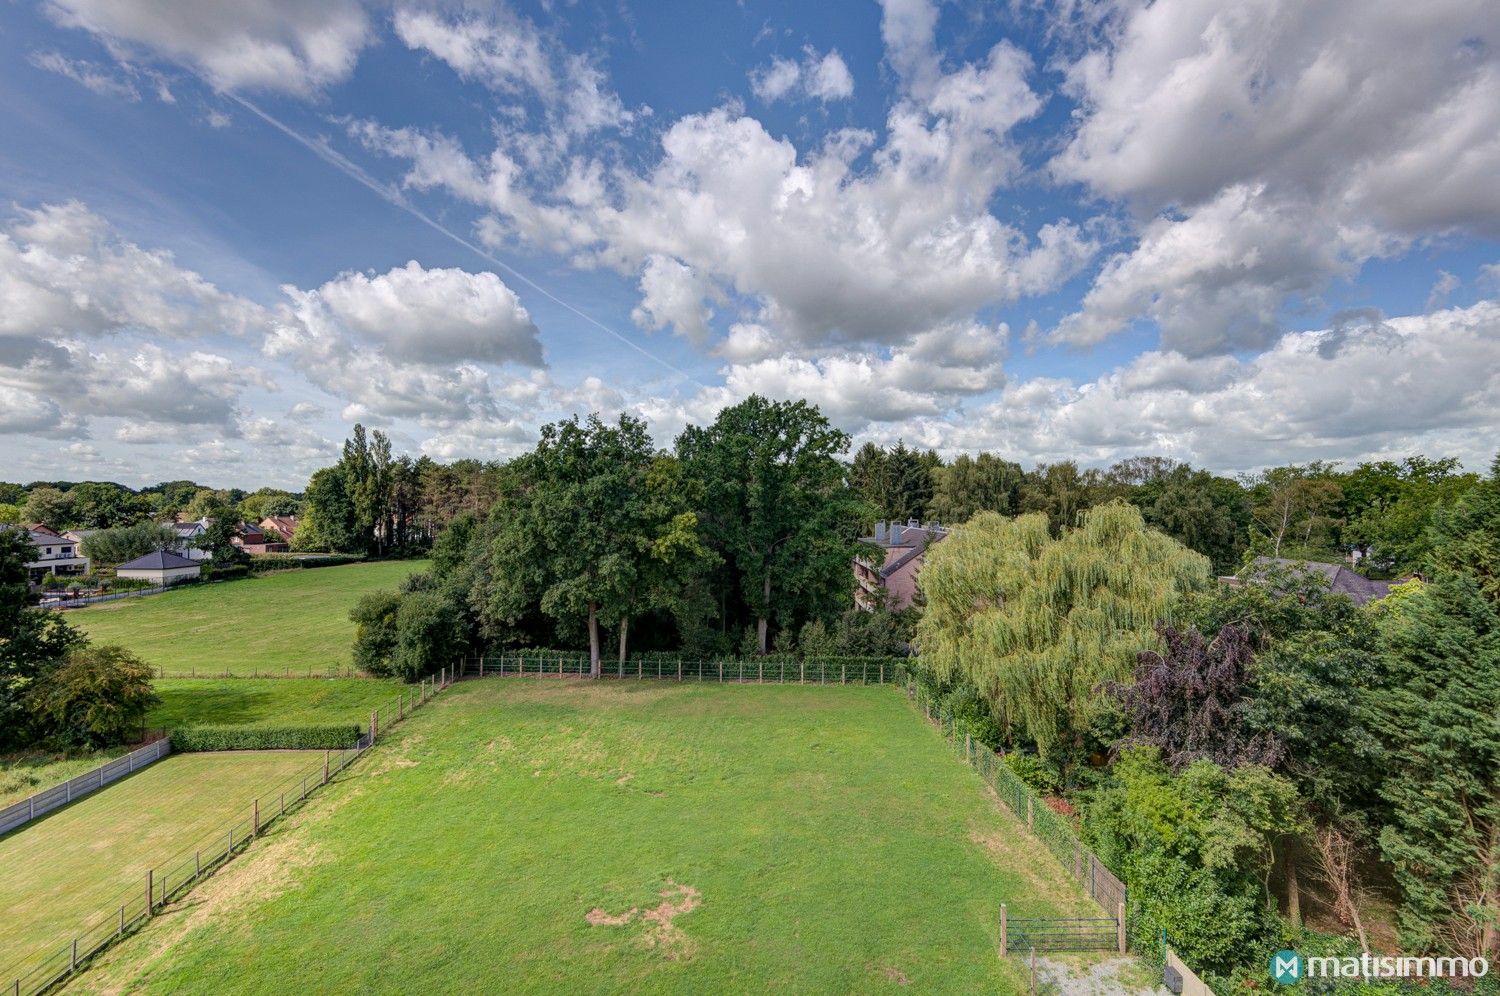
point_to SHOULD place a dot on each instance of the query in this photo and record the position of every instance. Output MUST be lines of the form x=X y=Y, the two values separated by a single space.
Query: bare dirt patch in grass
x=892 y=973
x=662 y=932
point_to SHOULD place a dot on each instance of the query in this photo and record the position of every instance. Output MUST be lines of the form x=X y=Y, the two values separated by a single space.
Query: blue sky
x=1236 y=236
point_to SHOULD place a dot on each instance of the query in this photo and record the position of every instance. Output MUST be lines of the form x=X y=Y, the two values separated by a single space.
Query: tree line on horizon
x=375 y=502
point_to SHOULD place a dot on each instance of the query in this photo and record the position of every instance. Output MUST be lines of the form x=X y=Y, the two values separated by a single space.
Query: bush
x=97 y=698
x=230 y=572
x=335 y=736
x=1032 y=770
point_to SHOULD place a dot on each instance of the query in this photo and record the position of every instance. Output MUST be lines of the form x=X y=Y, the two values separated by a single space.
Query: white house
x=53 y=554
x=159 y=567
x=189 y=535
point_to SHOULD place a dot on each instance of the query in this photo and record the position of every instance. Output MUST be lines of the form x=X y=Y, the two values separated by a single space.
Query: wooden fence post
x=150 y=891
x=1120 y=925
x=968 y=748
x=882 y=672
x=843 y=671
x=1033 y=970
x=255 y=817
x=1004 y=931
x=1029 y=819
x=326 y=755
x=721 y=672
x=679 y=667
x=374 y=724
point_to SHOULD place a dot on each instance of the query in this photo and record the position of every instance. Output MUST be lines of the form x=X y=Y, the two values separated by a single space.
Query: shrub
x=1032 y=770
x=374 y=618
x=334 y=736
x=98 y=697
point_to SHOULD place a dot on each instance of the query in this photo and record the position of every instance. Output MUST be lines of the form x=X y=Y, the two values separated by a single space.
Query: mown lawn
x=25 y=773
x=71 y=867
x=545 y=835
x=290 y=621
x=211 y=702
x=269 y=701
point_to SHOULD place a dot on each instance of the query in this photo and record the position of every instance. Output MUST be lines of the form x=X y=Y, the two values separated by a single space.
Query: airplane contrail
x=392 y=195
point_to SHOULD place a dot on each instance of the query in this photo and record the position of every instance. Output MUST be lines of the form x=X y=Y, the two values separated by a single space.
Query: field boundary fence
x=175 y=877
x=772 y=669
x=114 y=596
x=1054 y=831
x=286 y=672
x=19 y=814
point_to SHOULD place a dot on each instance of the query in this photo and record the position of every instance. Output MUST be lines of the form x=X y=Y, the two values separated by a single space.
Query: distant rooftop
x=1340 y=578
x=157 y=560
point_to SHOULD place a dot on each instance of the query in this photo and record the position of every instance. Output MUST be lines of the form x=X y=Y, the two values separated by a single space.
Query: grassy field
x=67 y=869
x=211 y=702
x=28 y=772
x=269 y=701
x=535 y=835
x=288 y=621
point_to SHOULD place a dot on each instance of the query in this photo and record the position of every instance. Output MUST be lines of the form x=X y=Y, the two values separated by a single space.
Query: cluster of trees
x=736 y=540
x=1316 y=511
x=1248 y=755
x=55 y=688
x=105 y=505
x=375 y=502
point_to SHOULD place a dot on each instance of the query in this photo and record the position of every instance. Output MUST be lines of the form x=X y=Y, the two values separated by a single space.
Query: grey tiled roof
x=157 y=560
x=1340 y=578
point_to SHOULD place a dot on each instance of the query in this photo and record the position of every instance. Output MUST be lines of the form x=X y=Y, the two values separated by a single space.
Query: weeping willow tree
x=1042 y=626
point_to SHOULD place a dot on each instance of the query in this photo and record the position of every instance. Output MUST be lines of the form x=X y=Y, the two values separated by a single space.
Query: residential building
x=252 y=539
x=161 y=567
x=284 y=526
x=1341 y=579
x=53 y=553
x=892 y=581
x=189 y=536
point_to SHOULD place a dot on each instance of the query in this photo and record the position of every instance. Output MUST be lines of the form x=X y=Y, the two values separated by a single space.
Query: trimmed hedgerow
x=331 y=736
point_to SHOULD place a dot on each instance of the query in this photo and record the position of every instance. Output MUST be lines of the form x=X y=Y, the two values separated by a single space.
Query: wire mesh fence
x=306 y=671
x=174 y=877
x=1054 y=830
x=777 y=669
x=19 y=814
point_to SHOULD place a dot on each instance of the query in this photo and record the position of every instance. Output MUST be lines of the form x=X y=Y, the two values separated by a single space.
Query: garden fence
x=674 y=667
x=176 y=876
x=21 y=813
x=1046 y=825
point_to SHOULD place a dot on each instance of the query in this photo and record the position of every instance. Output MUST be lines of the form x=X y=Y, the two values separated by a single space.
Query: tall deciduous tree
x=32 y=640
x=571 y=541
x=1041 y=625
x=777 y=506
x=49 y=505
x=970 y=485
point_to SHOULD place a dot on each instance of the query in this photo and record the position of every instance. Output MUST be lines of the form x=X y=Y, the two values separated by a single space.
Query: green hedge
x=333 y=736
x=264 y=563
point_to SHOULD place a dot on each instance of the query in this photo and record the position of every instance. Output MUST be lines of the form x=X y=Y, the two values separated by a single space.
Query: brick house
x=284 y=526
x=253 y=540
x=893 y=580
